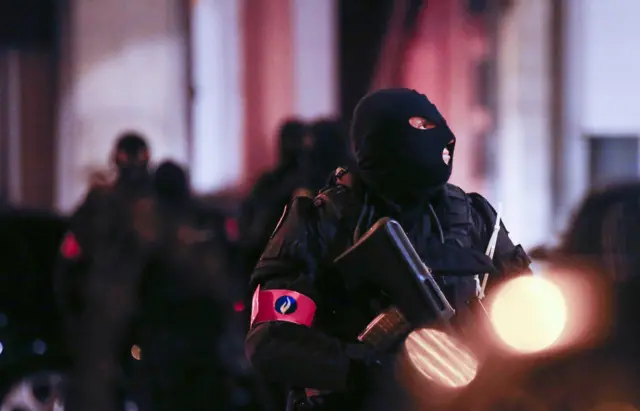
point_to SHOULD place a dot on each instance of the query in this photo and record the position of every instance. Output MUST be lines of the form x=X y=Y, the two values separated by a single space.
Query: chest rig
x=450 y=222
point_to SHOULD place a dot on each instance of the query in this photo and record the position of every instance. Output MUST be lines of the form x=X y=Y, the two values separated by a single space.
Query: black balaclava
x=402 y=163
x=292 y=142
x=132 y=159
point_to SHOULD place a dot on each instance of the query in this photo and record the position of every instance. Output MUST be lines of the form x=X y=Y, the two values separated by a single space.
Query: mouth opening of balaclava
x=398 y=137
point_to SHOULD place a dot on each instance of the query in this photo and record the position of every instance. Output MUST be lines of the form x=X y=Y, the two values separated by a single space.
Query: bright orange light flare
x=614 y=406
x=529 y=314
x=440 y=358
x=136 y=352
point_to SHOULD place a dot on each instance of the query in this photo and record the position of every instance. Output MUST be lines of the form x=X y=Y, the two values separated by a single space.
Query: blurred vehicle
x=32 y=352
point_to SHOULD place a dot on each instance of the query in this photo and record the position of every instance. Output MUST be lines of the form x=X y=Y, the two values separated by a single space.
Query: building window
x=613 y=159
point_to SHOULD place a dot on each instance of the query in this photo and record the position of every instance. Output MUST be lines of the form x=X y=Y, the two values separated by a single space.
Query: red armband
x=282 y=305
x=70 y=248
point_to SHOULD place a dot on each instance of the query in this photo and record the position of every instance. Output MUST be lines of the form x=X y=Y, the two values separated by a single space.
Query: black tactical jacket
x=312 y=232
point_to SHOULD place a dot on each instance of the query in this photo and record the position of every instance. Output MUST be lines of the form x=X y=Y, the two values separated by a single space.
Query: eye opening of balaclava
x=398 y=154
x=131 y=157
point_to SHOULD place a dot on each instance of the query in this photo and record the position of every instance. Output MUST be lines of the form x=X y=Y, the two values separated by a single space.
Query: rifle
x=385 y=257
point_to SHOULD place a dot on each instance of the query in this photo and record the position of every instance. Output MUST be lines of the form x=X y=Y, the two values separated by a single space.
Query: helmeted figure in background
x=274 y=189
x=307 y=338
x=186 y=297
x=330 y=151
x=131 y=160
x=155 y=274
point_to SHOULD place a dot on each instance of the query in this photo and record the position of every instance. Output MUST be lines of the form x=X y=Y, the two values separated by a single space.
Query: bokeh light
x=529 y=314
x=440 y=358
x=136 y=352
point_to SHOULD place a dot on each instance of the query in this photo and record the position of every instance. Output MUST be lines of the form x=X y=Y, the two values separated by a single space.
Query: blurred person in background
x=305 y=316
x=94 y=227
x=157 y=276
x=330 y=151
x=131 y=160
x=274 y=189
x=186 y=297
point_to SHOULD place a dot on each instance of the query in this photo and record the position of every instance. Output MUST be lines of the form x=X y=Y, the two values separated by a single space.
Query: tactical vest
x=347 y=207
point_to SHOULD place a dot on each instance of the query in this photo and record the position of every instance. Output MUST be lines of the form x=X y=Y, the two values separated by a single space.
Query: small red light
x=70 y=249
x=238 y=306
x=232 y=229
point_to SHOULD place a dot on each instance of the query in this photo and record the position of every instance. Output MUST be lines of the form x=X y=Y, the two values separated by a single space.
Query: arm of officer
x=282 y=343
x=72 y=256
x=508 y=258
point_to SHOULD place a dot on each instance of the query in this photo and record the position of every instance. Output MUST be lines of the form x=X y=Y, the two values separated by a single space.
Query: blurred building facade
x=539 y=93
x=567 y=121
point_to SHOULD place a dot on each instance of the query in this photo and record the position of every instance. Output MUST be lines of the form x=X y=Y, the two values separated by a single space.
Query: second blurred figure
x=308 y=155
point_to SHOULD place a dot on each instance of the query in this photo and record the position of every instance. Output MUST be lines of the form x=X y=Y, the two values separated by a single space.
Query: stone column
x=218 y=101
x=289 y=70
x=315 y=50
x=524 y=116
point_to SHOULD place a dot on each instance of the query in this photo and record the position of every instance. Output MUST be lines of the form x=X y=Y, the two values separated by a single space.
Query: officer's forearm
x=298 y=356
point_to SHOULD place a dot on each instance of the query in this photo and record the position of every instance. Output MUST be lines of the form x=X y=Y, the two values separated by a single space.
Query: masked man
x=404 y=151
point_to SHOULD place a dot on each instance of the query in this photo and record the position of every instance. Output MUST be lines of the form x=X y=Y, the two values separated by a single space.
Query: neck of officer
x=407 y=202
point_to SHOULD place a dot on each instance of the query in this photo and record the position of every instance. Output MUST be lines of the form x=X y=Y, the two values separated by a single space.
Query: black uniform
x=96 y=286
x=400 y=174
x=131 y=157
x=97 y=303
x=186 y=300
